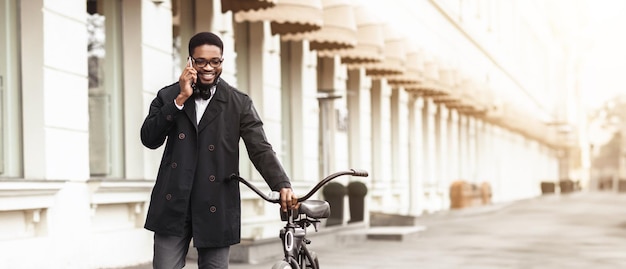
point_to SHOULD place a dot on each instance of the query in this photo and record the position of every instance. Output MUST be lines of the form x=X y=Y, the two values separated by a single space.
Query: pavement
x=577 y=230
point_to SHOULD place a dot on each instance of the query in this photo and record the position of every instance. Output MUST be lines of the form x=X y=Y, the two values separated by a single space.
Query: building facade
x=418 y=93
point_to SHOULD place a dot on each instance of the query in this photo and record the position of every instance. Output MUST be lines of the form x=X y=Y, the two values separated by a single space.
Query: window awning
x=472 y=97
x=448 y=90
x=370 y=40
x=413 y=75
x=394 y=56
x=288 y=16
x=338 y=32
x=431 y=85
x=245 y=5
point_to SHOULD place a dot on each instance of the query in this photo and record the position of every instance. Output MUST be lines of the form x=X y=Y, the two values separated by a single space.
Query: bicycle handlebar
x=352 y=172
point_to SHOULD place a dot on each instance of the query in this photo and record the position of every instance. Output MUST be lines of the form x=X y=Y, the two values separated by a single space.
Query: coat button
x=212 y=178
x=181 y=136
x=169 y=117
x=168 y=197
x=211 y=147
x=174 y=165
x=212 y=209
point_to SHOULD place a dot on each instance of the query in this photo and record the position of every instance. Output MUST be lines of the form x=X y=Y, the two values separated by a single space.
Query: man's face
x=207 y=60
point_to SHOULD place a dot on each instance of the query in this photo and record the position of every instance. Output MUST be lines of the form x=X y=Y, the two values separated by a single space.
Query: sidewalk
x=579 y=230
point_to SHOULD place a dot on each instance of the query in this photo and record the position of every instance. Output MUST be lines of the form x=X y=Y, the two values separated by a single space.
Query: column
x=381 y=143
x=147 y=45
x=463 y=148
x=496 y=145
x=359 y=127
x=488 y=159
x=416 y=156
x=400 y=148
x=482 y=151
x=428 y=121
x=56 y=138
x=359 y=123
x=443 y=183
x=452 y=159
x=471 y=150
x=331 y=80
x=301 y=108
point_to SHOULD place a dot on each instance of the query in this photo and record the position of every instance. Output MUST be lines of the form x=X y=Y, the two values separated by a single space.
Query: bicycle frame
x=293 y=235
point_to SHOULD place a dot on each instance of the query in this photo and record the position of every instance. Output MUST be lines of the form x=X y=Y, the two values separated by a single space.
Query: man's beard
x=203 y=90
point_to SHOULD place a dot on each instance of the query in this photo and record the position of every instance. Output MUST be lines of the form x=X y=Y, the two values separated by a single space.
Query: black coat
x=192 y=180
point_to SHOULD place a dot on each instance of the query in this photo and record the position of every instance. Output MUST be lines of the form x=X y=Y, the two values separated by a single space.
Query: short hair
x=205 y=38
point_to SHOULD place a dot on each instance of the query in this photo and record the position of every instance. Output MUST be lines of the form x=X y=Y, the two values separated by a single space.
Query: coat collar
x=212 y=110
x=215 y=107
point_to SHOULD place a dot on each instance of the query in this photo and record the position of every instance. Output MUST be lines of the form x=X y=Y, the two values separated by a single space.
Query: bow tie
x=202 y=93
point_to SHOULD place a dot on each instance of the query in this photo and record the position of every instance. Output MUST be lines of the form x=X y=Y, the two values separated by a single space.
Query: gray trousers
x=170 y=252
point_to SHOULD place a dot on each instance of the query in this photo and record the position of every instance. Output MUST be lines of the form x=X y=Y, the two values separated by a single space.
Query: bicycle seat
x=316 y=209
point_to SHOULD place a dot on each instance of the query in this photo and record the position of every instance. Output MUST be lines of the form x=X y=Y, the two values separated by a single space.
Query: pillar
x=56 y=115
x=358 y=100
x=416 y=156
x=360 y=121
x=400 y=148
x=300 y=108
x=463 y=147
x=428 y=123
x=453 y=146
x=441 y=135
x=147 y=68
x=331 y=81
x=381 y=143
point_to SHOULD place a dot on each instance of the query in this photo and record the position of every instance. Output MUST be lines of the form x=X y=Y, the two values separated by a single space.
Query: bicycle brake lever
x=316 y=225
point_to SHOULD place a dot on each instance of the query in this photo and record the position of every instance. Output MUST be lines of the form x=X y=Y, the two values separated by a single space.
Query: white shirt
x=201 y=105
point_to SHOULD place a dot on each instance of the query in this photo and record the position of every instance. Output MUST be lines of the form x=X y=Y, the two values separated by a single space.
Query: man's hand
x=288 y=200
x=187 y=78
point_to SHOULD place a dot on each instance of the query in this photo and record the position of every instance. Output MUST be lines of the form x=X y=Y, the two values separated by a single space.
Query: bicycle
x=310 y=212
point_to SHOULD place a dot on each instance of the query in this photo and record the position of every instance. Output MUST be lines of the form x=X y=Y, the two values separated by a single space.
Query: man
x=202 y=119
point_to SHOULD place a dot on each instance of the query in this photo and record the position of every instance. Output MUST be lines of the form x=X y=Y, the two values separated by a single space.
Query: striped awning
x=370 y=40
x=245 y=5
x=412 y=76
x=450 y=85
x=431 y=84
x=394 y=56
x=338 y=32
x=288 y=16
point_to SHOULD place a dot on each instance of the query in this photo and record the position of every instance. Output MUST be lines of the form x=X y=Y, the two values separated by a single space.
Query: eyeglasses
x=213 y=62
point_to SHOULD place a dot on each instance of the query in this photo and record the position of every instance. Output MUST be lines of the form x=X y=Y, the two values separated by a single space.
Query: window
x=2 y=124
x=10 y=108
x=106 y=158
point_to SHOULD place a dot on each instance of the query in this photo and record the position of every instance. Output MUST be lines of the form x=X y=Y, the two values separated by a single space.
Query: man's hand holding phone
x=187 y=82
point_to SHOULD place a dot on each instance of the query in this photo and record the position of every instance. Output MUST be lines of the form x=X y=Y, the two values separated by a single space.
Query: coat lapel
x=190 y=110
x=215 y=107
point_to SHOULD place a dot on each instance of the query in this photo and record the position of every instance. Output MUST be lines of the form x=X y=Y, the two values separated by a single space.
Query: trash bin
x=334 y=194
x=566 y=186
x=547 y=187
x=356 y=199
x=460 y=194
x=486 y=193
x=621 y=185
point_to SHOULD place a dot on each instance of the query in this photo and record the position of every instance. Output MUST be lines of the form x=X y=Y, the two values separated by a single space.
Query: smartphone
x=193 y=84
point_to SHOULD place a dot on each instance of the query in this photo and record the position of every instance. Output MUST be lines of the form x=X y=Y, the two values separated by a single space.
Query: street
x=580 y=230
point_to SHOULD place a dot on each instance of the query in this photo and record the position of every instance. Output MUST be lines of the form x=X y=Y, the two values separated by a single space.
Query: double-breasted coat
x=192 y=182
